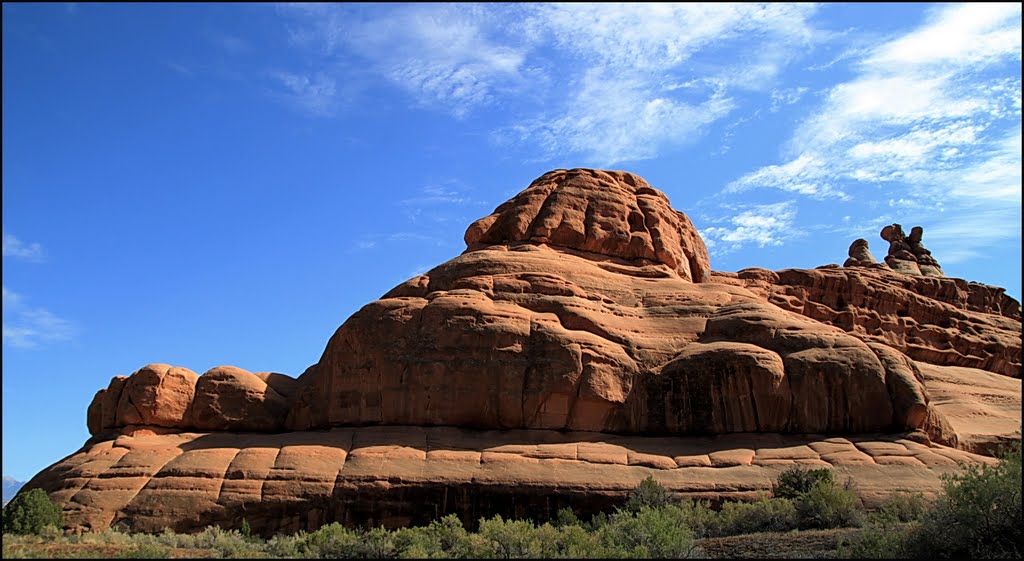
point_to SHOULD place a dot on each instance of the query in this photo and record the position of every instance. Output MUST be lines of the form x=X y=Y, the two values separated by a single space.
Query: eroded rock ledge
x=398 y=476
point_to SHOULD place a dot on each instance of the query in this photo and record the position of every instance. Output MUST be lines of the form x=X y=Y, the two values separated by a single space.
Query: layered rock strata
x=397 y=476
x=579 y=344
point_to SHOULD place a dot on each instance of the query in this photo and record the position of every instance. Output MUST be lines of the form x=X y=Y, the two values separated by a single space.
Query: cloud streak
x=28 y=327
x=932 y=117
x=764 y=225
x=608 y=82
x=13 y=247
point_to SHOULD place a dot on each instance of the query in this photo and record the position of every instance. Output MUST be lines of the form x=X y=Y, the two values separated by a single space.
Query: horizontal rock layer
x=398 y=476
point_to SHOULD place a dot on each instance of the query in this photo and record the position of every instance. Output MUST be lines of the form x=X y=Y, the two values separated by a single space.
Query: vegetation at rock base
x=978 y=515
x=30 y=513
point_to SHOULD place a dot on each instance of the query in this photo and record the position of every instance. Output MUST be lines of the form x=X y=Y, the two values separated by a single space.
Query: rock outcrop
x=860 y=256
x=580 y=343
x=907 y=255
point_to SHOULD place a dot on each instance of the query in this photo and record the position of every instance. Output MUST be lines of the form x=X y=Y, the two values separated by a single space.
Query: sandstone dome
x=580 y=344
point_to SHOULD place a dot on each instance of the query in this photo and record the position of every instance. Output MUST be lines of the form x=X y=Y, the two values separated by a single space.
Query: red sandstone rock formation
x=585 y=303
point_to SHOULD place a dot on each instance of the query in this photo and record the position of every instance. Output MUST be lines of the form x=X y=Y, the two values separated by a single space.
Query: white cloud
x=966 y=233
x=924 y=117
x=313 y=93
x=787 y=96
x=996 y=176
x=966 y=34
x=614 y=119
x=13 y=247
x=28 y=327
x=627 y=105
x=660 y=36
x=604 y=79
x=442 y=54
x=763 y=225
x=807 y=174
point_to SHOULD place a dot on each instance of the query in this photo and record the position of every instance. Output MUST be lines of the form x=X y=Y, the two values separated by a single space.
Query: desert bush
x=827 y=505
x=880 y=539
x=797 y=480
x=649 y=493
x=228 y=543
x=566 y=517
x=378 y=543
x=416 y=543
x=650 y=532
x=31 y=511
x=597 y=521
x=699 y=518
x=286 y=547
x=978 y=514
x=575 y=542
x=453 y=539
x=901 y=506
x=331 y=541
x=147 y=552
x=763 y=515
x=509 y=539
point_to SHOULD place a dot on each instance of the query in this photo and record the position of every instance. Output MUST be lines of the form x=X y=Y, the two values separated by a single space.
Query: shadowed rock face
x=579 y=344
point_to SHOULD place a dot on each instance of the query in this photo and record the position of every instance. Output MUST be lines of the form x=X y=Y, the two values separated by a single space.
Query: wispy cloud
x=231 y=44
x=787 y=96
x=615 y=119
x=644 y=86
x=444 y=55
x=932 y=116
x=29 y=327
x=13 y=247
x=608 y=82
x=314 y=93
x=764 y=225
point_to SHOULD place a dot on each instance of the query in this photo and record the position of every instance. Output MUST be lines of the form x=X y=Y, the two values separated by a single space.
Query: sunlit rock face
x=579 y=344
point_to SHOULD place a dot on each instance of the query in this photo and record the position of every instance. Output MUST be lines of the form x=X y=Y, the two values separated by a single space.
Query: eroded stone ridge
x=941 y=321
x=612 y=213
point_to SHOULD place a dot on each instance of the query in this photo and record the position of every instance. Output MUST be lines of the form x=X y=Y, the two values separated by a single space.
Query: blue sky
x=207 y=184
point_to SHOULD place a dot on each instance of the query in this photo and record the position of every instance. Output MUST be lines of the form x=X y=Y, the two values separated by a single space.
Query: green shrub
x=510 y=539
x=901 y=506
x=31 y=511
x=227 y=543
x=378 y=543
x=453 y=539
x=286 y=547
x=597 y=521
x=649 y=493
x=147 y=552
x=566 y=517
x=978 y=515
x=650 y=532
x=827 y=505
x=763 y=515
x=797 y=480
x=575 y=542
x=699 y=518
x=331 y=541
x=880 y=539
